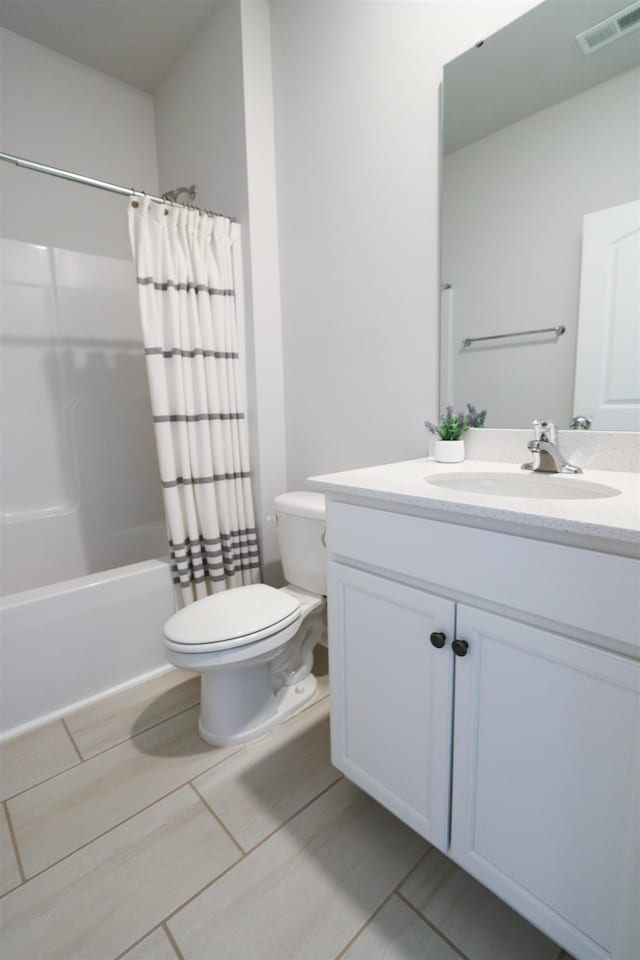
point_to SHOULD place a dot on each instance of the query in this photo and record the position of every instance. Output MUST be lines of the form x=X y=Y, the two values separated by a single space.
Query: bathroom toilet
x=254 y=645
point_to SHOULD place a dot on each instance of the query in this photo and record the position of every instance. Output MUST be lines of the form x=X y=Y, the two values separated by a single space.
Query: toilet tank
x=301 y=524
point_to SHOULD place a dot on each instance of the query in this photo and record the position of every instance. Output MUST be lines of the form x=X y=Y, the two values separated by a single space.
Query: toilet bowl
x=254 y=645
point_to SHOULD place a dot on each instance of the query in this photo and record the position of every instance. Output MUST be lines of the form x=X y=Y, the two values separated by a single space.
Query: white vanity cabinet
x=384 y=706
x=546 y=734
x=518 y=756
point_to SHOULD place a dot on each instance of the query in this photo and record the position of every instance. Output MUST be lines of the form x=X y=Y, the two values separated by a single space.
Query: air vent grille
x=610 y=29
x=599 y=35
x=626 y=20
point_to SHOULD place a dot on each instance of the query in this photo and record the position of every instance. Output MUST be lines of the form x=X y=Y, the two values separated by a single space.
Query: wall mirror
x=540 y=300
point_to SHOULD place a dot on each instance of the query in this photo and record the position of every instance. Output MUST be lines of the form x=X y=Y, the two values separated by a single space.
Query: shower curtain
x=185 y=281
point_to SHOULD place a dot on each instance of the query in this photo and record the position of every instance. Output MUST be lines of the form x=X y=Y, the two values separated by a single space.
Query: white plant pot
x=448 y=451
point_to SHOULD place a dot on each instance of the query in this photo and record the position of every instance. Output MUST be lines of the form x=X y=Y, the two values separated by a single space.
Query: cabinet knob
x=438 y=640
x=460 y=648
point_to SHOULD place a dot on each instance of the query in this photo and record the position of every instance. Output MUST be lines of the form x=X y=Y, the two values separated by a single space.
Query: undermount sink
x=553 y=486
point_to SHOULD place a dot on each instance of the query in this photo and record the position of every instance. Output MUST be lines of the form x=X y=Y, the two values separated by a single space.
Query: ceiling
x=136 y=41
x=529 y=65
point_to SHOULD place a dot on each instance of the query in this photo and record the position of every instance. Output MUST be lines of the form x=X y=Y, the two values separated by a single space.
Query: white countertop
x=611 y=524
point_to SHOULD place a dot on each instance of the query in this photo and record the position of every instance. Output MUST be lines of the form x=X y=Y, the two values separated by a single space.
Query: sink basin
x=532 y=486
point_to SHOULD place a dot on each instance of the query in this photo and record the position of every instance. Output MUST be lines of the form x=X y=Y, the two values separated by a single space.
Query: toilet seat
x=237 y=617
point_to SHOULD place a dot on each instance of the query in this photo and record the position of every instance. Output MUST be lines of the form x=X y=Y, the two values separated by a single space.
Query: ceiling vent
x=610 y=29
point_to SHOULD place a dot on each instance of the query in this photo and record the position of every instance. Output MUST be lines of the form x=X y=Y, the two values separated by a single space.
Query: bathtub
x=75 y=641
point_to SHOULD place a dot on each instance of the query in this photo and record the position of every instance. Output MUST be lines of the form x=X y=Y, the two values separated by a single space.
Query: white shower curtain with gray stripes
x=185 y=280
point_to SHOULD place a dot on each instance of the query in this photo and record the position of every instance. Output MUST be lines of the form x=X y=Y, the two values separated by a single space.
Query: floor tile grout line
x=228 y=869
x=139 y=733
x=127 y=739
x=294 y=815
x=148 y=806
x=164 y=923
x=137 y=942
x=194 y=896
x=172 y=940
x=172 y=717
x=216 y=816
x=39 y=783
x=82 y=759
x=386 y=900
x=416 y=865
x=159 y=926
x=432 y=925
x=16 y=886
x=75 y=745
x=104 y=833
x=16 y=849
x=364 y=926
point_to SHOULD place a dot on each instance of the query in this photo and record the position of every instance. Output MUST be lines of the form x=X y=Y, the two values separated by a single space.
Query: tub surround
x=484 y=679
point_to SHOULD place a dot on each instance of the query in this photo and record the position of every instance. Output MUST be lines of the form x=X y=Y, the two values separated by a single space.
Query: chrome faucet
x=546 y=453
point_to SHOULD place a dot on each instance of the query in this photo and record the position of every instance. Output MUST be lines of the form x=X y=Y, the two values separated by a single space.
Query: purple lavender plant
x=451 y=425
x=475 y=419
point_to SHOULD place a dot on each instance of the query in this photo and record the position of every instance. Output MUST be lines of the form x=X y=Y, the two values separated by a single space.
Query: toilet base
x=285 y=702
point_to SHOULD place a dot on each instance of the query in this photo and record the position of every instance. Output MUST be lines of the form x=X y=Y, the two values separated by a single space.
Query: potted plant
x=449 y=445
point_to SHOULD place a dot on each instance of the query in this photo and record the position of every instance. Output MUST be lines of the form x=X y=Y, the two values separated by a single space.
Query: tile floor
x=123 y=835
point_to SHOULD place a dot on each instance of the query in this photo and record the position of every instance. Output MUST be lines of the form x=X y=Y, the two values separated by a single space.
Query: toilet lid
x=237 y=616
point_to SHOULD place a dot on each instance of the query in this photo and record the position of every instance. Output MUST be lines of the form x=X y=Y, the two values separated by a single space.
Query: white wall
x=214 y=122
x=356 y=88
x=267 y=373
x=79 y=472
x=513 y=206
x=199 y=117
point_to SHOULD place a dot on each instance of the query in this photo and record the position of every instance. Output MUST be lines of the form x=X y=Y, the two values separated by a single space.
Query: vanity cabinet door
x=391 y=695
x=544 y=811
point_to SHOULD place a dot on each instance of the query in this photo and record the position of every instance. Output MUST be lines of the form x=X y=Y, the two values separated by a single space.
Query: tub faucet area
x=547 y=457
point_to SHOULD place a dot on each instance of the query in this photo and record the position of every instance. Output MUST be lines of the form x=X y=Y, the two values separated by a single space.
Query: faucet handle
x=581 y=423
x=545 y=430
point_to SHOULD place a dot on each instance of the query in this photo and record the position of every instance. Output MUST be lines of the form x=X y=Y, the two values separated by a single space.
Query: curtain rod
x=99 y=184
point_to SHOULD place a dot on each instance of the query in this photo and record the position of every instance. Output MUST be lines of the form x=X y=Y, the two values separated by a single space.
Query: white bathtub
x=74 y=641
